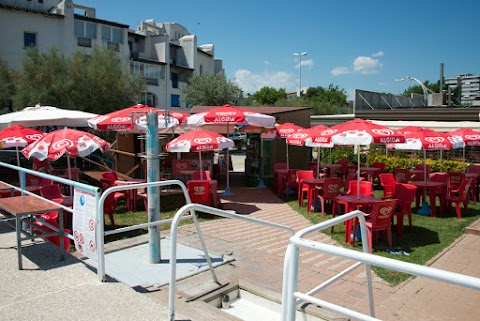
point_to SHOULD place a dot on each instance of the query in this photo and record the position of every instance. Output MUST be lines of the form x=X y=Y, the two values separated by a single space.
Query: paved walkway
x=259 y=254
x=71 y=288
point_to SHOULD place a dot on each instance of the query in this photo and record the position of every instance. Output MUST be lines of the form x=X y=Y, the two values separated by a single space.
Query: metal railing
x=173 y=241
x=291 y=297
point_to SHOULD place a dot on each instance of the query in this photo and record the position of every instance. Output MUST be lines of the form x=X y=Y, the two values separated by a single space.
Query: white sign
x=84 y=218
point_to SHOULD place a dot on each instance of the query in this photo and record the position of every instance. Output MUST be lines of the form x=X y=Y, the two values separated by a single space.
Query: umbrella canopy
x=166 y=119
x=67 y=141
x=199 y=140
x=228 y=114
x=469 y=136
x=286 y=130
x=46 y=116
x=121 y=120
x=19 y=136
x=430 y=140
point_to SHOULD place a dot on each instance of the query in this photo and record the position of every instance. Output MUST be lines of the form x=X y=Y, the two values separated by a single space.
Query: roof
x=44 y=12
x=105 y=22
x=259 y=109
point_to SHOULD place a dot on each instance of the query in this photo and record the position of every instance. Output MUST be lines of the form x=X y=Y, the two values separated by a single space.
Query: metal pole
x=151 y=139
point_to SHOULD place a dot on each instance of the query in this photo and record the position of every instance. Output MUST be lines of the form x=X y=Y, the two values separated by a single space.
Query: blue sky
x=353 y=44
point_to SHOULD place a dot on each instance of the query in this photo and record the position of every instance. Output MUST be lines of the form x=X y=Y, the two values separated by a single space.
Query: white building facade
x=166 y=55
x=470 y=88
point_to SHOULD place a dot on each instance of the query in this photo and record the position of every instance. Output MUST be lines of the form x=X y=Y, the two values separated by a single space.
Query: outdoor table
x=22 y=208
x=131 y=194
x=370 y=171
x=312 y=183
x=189 y=173
x=429 y=185
x=354 y=202
x=331 y=168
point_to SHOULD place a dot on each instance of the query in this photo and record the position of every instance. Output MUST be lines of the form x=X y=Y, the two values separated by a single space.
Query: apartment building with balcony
x=470 y=88
x=164 y=54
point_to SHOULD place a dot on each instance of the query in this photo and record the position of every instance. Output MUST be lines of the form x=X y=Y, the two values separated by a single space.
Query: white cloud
x=378 y=54
x=267 y=62
x=250 y=82
x=366 y=65
x=305 y=63
x=338 y=71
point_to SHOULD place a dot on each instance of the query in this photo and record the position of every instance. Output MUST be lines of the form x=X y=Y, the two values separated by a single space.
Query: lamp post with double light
x=300 y=55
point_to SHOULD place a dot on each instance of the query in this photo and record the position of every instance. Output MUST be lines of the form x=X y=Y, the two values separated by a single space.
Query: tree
x=98 y=83
x=331 y=100
x=269 y=95
x=7 y=85
x=210 y=90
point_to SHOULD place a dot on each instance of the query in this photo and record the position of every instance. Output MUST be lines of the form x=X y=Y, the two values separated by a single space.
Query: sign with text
x=84 y=218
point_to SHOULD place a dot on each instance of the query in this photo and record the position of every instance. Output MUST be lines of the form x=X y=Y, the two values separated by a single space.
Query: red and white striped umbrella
x=67 y=141
x=199 y=140
x=124 y=119
x=19 y=136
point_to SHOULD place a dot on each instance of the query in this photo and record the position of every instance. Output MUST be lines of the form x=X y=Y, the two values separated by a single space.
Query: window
x=175 y=100
x=29 y=39
x=174 y=80
x=149 y=99
x=151 y=73
x=112 y=34
x=85 y=29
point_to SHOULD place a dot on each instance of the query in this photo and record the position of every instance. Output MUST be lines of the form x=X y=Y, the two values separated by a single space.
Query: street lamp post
x=299 y=55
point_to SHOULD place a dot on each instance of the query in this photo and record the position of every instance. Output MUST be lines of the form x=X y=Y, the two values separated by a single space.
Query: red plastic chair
x=111 y=175
x=52 y=219
x=290 y=182
x=109 y=207
x=200 y=192
x=201 y=175
x=402 y=175
x=405 y=194
x=440 y=192
x=420 y=167
x=346 y=182
x=387 y=180
x=33 y=183
x=379 y=219
x=106 y=183
x=303 y=188
x=461 y=198
x=342 y=171
x=455 y=180
x=366 y=188
x=329 y=190
x=52 y=192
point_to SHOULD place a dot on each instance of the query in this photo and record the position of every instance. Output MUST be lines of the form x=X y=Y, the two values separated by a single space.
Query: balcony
x=113 y=46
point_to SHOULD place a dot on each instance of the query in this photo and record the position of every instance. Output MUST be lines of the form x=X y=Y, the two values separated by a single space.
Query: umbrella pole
x=261 y=184
x=425 y=209
x=201 y=165
x=358 y=170
x=288 y=163
x=69 y=174
x=464 y=159
x=228 y=192
x=318 y=162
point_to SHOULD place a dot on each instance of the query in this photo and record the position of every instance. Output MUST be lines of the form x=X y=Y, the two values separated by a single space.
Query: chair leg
x=389 y=236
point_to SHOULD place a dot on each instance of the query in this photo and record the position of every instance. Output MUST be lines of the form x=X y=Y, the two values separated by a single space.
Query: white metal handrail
x=290 y=295
x=173 y=240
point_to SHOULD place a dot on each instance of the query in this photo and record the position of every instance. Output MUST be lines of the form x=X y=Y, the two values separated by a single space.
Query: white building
x=153 y=50
x=470 y=88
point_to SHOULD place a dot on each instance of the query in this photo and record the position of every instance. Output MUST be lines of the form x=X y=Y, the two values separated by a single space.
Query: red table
x=429 y=185
x=354 y=202
x=312 y=184
x=370 y=171
x=331 y=168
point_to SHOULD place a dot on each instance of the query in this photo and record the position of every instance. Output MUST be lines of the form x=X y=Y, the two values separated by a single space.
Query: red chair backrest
x=331 y=187
x=110 y=175
x=472 y=168
x=387 y=179
x=199 y=192
x=291 y=178
x=380 y=165
x=201 y=175
x=352 y=169
x=421 y=167
x=304 y=174
x=405 y=193
x=366 y=188
x=455 y=179
x=74 y=173
x=402 y=175
x=106 y=183
x=346 y=183
x=464 y=188
x=344 y=163
x=381 y=214
x=51 y=191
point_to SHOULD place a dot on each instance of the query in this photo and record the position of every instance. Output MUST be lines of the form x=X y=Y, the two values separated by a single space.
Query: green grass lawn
x=427 y=238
